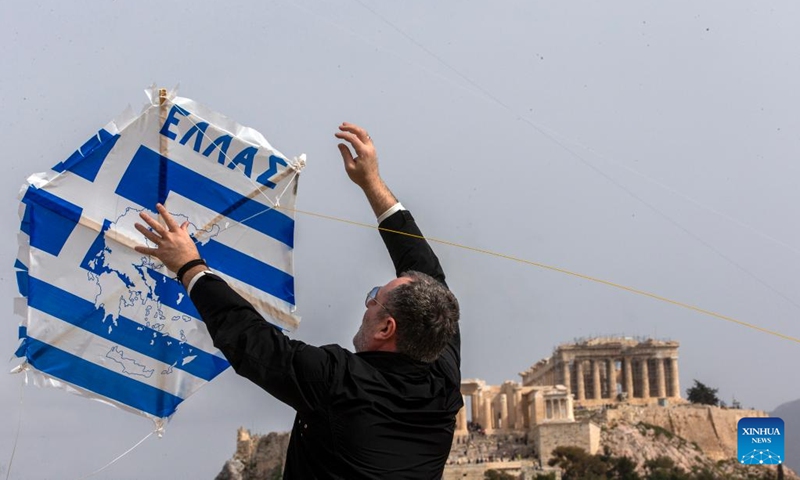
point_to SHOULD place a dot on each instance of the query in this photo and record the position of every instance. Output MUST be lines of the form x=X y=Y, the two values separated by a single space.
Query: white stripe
x=234 y=235
x=65 y=273
x=109 y=355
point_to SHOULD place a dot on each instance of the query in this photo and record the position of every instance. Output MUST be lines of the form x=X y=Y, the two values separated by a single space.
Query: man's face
x=375 y=317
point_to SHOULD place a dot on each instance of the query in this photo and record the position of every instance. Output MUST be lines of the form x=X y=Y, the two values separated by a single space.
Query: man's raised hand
x=363 y=167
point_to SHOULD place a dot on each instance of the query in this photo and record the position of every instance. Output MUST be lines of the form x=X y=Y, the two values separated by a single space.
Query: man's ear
x=388 y=329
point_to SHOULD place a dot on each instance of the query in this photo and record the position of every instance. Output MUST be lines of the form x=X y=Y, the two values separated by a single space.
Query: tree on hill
x=664 y=468
x=497 y=475
x=623 y=468
x=577 y=464
x=702 y=394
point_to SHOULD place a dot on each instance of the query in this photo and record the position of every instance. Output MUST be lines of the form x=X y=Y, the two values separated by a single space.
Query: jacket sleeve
x=410 y=251
x=292 y=371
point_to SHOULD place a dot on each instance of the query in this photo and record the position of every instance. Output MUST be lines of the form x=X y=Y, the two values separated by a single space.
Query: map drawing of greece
x=130 y=285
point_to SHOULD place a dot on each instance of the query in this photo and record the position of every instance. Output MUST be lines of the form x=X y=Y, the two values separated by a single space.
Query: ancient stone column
x=503 y=411
x=570 y=409
x=611 y=378
x=596 y=385
x=579 y=380
x=566 y=375
x=476 y=400
x=628 y=376
x=676 y=382
x=662 y=382
x=461 y=420
x=488 y=418
x=645 y=379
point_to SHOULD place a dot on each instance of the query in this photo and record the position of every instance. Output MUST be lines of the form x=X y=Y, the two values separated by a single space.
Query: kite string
x=275 y=205
x=19 y=426
x=119 y=457
x=561 y=270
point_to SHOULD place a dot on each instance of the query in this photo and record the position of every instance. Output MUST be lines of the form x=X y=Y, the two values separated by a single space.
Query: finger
x=346 y=155
x=147 y=233
x=356 y=130
x=170 y=222
x=152 y=223
x=352 y=138
x=147 y=251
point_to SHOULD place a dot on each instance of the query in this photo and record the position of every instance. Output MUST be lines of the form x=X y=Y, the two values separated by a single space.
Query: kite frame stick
x=162 y=116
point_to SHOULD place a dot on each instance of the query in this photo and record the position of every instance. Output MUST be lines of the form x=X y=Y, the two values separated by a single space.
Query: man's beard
x=360 y=340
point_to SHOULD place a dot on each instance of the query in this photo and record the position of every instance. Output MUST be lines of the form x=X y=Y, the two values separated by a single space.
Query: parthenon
x=585 y=374
x=588 y=373
x=600 y=371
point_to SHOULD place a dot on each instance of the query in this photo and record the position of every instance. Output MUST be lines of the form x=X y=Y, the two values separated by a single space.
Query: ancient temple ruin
x=601 y=371
x=512 y=407
x=585 y=374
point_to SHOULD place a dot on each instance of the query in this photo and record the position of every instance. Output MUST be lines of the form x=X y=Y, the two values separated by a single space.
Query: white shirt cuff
x=195 y=279
x=392 y=210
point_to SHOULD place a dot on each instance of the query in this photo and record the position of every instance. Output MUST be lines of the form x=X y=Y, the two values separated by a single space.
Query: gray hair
x=426 y=314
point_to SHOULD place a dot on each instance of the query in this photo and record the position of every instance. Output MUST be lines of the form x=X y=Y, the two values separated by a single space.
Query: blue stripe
x=46 y=199
x=86 y=161
x=249 y=270
x=22 y=277
x=22 y=282
x=52 y=219
x=25 y=224
x=127 y=333
x=23 y=345
x=141 y=184
x=116 y=386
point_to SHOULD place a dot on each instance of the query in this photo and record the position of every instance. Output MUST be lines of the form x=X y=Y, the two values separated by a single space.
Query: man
x=388 y=410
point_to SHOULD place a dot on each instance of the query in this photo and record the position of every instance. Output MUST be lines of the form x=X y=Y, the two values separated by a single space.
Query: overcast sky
x=651 y=144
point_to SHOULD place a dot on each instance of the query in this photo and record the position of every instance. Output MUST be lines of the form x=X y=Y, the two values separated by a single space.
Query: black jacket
x=365 y=415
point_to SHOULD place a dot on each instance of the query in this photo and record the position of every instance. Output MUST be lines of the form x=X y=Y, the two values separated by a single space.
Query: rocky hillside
x=712 y=429
x=257 y=457
x=641 y=442
x=695 y=438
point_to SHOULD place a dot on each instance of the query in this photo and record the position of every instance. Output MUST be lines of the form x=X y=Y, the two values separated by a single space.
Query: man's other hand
x=363 y=167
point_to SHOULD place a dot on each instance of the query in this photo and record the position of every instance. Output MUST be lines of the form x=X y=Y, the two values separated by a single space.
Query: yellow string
x=514 y=259
x=555 y=269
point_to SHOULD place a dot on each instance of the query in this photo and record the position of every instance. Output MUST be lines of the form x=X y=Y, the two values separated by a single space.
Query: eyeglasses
x=372 y=297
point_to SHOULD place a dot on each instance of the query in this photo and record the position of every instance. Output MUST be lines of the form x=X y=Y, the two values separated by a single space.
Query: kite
x=99 y=319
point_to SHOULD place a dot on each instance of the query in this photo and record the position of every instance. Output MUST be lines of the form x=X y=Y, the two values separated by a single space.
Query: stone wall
x=477 y=448
x=548 y=436
x=713 y=429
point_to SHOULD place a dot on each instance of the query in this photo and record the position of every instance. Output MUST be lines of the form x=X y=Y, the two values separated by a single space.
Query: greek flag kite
x=106 y=322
